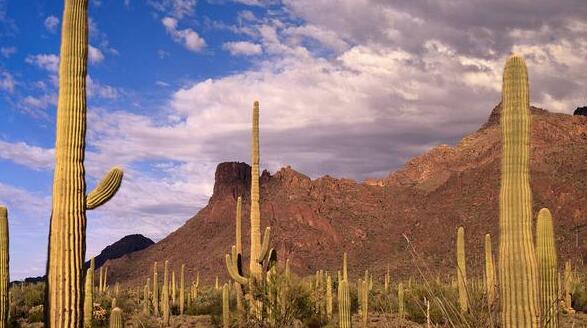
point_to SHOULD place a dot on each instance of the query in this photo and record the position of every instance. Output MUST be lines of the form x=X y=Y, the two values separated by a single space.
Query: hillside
x=315 y=221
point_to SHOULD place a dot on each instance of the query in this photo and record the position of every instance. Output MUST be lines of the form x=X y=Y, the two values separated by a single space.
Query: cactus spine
x=489 y=272
x=67 y=234
x=89 y=296
x=225 y=307
x=462 y=271
x=547 y=269
x=165 y=295
x=4 y=268
x=116 y=318
x=155 y=291
x=182 y=289
x=517 y=259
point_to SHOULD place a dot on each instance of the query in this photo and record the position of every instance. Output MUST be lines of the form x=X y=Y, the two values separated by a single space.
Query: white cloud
x=7 y=82
x=30 y=156
x=48 y=62
x=51 y=23
x=188 y=37
x=99 y=90
x=243 y=48
x=95 y=55
x=7 y=52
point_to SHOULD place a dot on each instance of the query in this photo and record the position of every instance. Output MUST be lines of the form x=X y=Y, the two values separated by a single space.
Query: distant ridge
x=314 y=221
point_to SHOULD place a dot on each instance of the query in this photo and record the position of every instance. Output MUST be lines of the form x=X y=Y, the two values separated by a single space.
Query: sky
x=349 y=88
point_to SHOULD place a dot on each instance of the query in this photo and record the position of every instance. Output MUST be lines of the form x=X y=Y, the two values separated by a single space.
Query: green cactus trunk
x=100 y=280
x=173 y=289
x=225 y=307
x=329 y=297
x=568 y=287
x=489 y=272
x=364 y=301
x=182 y=289
x=517 y=259
x=116 y=318
x=146 y=305
x=344 y=305
x=89 y=295
x=462 y=271
x=547 y=269
x=68 y=216
x=155 y=291
x=105 y=281
x=165 y=295
x=67 y=234
x=4 y=268
x=240 y=311
x=255 y=267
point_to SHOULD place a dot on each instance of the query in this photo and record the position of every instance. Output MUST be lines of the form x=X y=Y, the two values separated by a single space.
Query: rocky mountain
x=314 y=221
x=126 y=245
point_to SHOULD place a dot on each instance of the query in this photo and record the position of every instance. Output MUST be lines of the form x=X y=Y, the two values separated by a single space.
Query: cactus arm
x=106 y=189
x=265 y=246
x=232 y=266
x=270 y=261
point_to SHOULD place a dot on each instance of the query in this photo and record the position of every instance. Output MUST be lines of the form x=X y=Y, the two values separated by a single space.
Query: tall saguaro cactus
x=4 y=269
x=155 y=290
x=67 y=236
x=262 y=256
x=89 y=297
x=547 y=269
x=517 y=259
x=462 y=270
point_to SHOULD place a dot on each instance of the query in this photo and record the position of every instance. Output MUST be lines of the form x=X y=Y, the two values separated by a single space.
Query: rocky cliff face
x=315 y=221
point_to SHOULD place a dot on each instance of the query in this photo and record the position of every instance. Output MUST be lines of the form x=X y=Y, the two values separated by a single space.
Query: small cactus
x=89 y=295
x=182 y=289
x=547 y=269
x=490 y=281
x=400 y=300
x=116 y=318
x=462 y=271
x=155 y=291
x=344 y=305
x=165 y=295
x=225 y=306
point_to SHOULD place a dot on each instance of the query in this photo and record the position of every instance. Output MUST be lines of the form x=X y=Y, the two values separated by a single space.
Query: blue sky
x=350 y=88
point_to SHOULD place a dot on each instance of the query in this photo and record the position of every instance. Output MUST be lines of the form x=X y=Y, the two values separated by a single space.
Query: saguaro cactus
x=569 y=287
x=462 y=270
x=225 y=307
x=400 y=300
x=116 y=318
x=165 y=295
x=173 y=289
x=344 y=304
x=262 y=256
x=547 y=269
x=328 y=297
x=100 y=280
x=4 y=269
x=89 y=297
x=146 y=309
x=182 y=289
x=489 y=272
x=155 y=291
x=517 y=260
x=67 y=235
